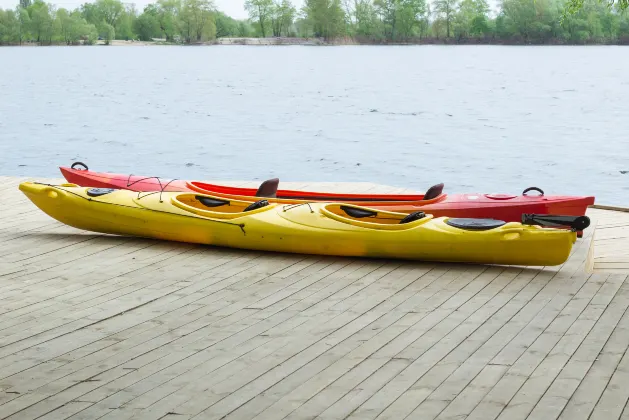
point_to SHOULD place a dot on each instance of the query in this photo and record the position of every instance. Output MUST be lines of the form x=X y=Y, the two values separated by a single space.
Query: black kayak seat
x=475 y=224
x=268 y=188
x=433 y=192
x=358 y=213
x=211 y=202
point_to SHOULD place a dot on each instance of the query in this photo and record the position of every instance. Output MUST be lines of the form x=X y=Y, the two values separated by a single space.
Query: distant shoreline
x=322 y=42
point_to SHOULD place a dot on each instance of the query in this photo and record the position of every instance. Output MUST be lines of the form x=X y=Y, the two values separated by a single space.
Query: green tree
x=244 y=30
x=471 y=19
x=105 y=13
x=623 y=26
x=109 y=33
x=197 y=20
x=400 y=18
x=325 y=18
x=282 y=16
x=91 y=34
x=147 y=24
x=366 y=19
x=225 y=25
x=574 y=6
x=388 y=12
x=260 y=10
x=91 y=13
x=530 y=20
x=41 y=21
x=24 y=24
x=446 y=10
x=72 y=28
x=167 y=12
x=65 y=25
x=610 y=24
x=424 y=22
x=9 y=27
x=110 y=10
x=126 y=23
x=410 y=15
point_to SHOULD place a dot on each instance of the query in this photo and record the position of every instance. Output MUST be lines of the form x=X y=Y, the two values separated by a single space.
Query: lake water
x=479 y=118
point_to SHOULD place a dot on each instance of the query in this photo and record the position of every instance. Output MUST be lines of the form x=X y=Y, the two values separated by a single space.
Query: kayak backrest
x=433 y=192
x=268 y=189
x=412 y=217
x=257 y=205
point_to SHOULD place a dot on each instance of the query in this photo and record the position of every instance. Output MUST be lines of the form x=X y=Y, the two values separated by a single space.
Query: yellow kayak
x=311 y=228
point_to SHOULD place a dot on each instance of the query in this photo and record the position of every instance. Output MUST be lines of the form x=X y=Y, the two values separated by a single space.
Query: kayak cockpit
x=269 y=189
x=372 y=218
x=218 y=207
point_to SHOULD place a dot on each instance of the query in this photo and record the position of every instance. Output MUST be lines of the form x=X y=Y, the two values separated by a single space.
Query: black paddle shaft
x=576 y=223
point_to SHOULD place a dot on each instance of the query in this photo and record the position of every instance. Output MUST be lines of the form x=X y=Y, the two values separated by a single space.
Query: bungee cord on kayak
x=292 y=206
x=89 y=196
x=152 y=192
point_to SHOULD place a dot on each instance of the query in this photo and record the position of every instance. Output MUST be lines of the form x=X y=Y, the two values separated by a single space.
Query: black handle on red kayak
x=533 y=189
x=576 y=223
x=81 y=164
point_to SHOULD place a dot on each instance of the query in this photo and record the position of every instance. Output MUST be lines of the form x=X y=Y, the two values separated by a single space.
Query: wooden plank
x=604 y=333
x=610 y=247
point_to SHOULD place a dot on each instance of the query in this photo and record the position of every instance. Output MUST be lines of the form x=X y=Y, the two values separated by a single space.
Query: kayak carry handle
x=576 y=223
x=81 y=164
x=533 y=189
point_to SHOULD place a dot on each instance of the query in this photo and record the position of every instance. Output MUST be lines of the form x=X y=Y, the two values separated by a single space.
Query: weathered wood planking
x=610 y=247
x=98 y=326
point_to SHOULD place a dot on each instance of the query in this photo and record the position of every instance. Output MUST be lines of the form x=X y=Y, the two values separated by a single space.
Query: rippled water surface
x=482 y=119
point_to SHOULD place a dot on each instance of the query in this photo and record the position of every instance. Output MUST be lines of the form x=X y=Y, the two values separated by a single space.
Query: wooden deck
x=610 y=247
x=104 y=327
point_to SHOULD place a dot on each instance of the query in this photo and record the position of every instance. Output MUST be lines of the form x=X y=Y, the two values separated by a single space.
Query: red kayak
x=509 y=208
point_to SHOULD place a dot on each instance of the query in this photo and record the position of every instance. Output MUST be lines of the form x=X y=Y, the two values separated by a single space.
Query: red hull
x=497 y=206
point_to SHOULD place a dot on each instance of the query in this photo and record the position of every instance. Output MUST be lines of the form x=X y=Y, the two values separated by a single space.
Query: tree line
x=467 y=21
x=360 y=21
x=175 y=21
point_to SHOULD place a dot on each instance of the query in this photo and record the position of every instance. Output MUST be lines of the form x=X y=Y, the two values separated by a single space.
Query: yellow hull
x=315 y=228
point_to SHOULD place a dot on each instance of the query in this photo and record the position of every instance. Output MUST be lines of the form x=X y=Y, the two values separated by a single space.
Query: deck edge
x=612 y=208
